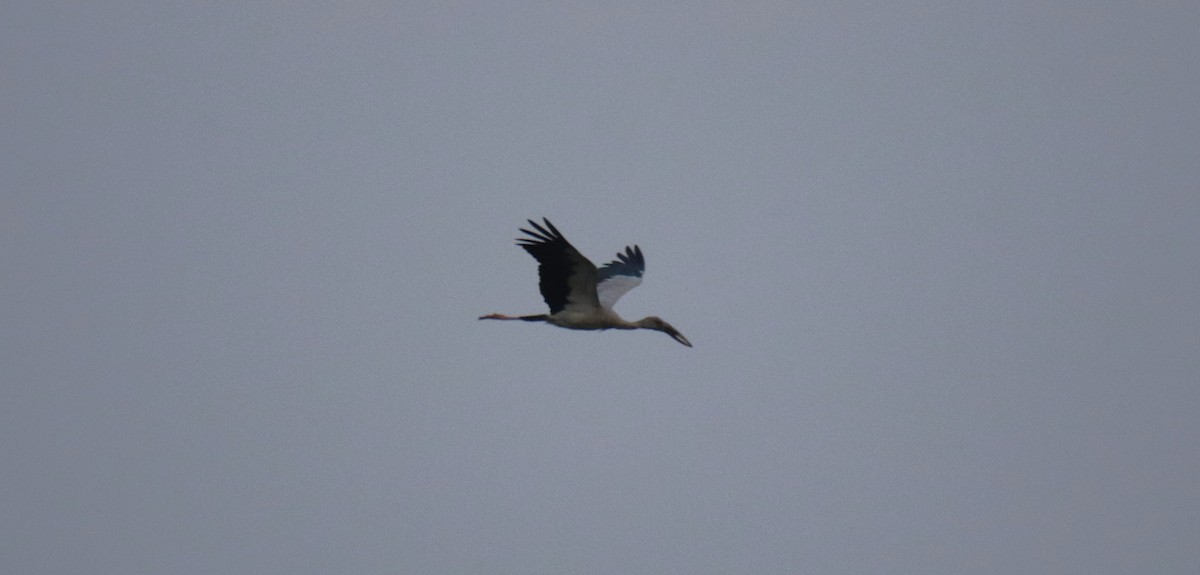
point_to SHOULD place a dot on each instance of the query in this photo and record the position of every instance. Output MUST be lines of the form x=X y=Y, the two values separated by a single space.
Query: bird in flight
x=579 y=295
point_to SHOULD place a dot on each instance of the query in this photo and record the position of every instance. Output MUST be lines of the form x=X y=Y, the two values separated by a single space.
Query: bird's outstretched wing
x=617 y=277
x=566 y=278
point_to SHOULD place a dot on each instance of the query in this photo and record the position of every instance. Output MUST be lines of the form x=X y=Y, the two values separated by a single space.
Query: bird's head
x=657 y=324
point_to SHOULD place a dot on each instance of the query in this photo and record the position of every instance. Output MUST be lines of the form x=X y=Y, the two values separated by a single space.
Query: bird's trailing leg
x=520 y=317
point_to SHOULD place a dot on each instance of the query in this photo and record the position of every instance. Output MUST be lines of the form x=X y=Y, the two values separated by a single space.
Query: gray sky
x=940 y=263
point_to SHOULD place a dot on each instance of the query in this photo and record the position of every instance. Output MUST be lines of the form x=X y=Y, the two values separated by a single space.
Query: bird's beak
x=678 y=336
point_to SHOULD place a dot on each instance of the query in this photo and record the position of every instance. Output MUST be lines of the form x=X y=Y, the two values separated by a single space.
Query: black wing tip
x=632 y=256
x=627 y=263
x=549 y=225
x=542 y=235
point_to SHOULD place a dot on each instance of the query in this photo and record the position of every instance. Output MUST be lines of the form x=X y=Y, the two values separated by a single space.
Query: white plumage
x=581 y=296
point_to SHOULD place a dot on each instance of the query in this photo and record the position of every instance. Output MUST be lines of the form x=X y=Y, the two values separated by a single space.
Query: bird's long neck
x=644 y=323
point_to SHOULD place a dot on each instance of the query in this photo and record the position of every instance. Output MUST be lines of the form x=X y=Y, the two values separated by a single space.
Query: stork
x=579 y=295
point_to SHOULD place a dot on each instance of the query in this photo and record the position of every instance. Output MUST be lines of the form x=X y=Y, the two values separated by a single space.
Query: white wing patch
x=611 y=289
x=617 y=277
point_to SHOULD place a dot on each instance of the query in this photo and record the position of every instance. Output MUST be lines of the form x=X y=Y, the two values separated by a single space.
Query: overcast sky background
x=940 y=262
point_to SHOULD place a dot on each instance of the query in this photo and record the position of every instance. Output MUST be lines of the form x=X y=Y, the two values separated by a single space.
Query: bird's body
x=581 y=296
